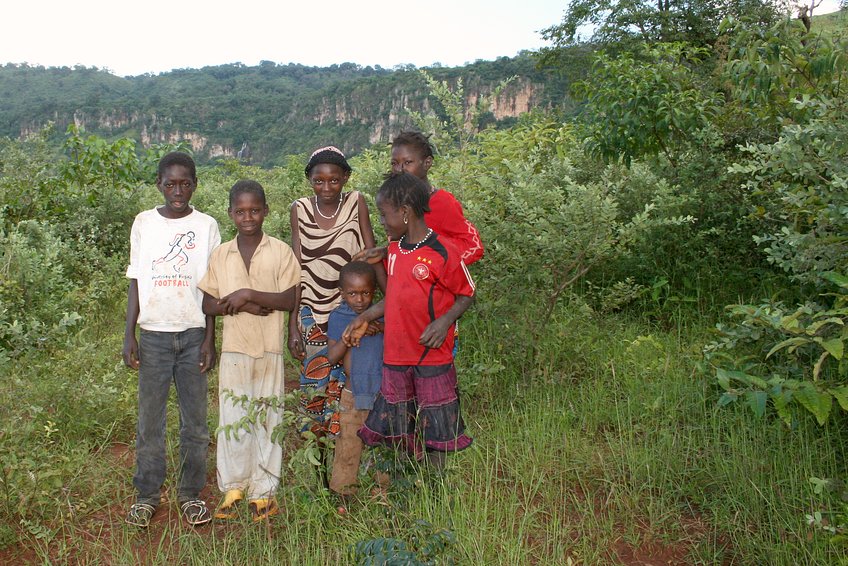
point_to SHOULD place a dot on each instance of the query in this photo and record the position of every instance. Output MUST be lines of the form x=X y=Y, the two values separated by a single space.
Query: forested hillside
x=277 y=110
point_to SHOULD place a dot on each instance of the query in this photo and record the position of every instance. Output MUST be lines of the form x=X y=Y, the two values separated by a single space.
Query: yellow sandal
x=228 y=509
x=262 y=509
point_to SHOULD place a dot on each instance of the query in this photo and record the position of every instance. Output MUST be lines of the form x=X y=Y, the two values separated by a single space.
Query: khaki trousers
x=248 y=459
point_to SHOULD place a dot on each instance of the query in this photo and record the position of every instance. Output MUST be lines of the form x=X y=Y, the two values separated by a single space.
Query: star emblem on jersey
x=420 y=271
x=428 y=261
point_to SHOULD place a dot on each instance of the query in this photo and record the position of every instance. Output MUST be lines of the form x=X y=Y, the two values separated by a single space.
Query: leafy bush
x=29 y=187
x=427 y=546
x=799 y=184
x=63 y=250
x=772 y=68
x=787 y=356
x=36 y=306
x=645 y=105
x=801 y=181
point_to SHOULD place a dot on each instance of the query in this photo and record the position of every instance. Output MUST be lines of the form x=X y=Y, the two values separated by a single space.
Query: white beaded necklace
x=333 y=215
x=416 y=246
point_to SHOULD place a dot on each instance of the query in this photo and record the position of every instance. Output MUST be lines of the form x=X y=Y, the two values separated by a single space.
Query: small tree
x=462 y=122
x=646 y=105
x=624 y=25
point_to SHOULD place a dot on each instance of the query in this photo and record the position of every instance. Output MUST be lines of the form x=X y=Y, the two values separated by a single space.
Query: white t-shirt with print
x=168 y=258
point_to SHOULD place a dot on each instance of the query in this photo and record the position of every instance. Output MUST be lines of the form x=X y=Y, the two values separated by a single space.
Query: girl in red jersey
x=428 y=289
x=413 y=153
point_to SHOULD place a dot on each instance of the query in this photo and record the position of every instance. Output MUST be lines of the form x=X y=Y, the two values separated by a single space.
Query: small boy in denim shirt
x=363 y=367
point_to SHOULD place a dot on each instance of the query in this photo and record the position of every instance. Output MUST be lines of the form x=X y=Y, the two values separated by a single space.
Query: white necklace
x=333 y=215
x=416 y=246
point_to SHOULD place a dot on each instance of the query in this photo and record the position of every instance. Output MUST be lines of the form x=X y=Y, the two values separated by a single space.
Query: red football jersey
x=447 y=219
x=422 y=285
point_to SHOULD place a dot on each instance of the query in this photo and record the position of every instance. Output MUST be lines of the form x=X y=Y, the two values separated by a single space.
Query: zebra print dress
x=322 y=255
x=324 y=252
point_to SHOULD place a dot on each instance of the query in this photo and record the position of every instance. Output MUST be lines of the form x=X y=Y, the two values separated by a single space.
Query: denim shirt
x=366 y=360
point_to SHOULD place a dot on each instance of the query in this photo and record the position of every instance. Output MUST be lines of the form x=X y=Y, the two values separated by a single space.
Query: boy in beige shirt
x=251 y=281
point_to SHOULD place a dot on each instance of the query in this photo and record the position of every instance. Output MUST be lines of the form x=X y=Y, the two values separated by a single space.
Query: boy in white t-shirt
x=169 y=252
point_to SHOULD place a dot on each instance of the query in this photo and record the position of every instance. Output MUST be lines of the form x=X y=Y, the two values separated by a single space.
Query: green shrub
x=36 y=306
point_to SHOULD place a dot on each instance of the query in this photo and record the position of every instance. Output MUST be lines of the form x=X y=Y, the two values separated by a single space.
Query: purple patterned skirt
x=417 y=408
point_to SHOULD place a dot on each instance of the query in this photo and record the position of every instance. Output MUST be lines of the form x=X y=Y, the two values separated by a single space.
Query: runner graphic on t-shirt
x=177 y=254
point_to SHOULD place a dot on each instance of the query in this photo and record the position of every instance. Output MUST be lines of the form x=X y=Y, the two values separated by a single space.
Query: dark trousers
x=171 y=357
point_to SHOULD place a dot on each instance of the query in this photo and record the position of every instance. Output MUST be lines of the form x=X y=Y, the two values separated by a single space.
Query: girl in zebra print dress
x=328 y=228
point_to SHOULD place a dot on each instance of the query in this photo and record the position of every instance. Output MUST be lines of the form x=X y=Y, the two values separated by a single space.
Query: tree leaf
x=723 y=378
x=836 y=278
x=312 y=458
x=781 y=401
x=796 y=341
x=841 y=394
x=814 y=327
x=818 y=366
x=727 y=398
x=757 y=401
x=834 y=346
x=817 y=402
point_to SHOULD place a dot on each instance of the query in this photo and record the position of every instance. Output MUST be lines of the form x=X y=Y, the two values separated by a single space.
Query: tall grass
x=610 y=450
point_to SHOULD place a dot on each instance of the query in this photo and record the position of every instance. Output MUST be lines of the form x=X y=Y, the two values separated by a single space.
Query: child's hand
x=235 y=301
x=130 y=352
x=435 y=333
x=296 y=346
x=208 y=355
x=253 y=308
x=371 y=255
x=354 y=332
x=374 y=327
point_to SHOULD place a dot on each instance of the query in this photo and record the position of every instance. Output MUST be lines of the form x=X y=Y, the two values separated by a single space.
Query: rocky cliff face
x=386 y=116
x=200 y=144
x=378 y=115
x=514 y=102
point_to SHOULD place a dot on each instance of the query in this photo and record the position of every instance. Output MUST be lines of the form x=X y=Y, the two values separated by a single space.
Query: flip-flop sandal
x=140 y=514
x=195 y=512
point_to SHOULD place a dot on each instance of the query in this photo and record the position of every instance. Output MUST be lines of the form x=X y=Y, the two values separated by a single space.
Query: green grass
x=609 y=450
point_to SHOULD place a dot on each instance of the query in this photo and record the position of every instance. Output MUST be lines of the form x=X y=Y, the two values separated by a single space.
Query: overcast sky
x=152 y=36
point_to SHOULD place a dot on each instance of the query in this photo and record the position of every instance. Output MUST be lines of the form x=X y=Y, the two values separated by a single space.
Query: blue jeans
x=167 y=357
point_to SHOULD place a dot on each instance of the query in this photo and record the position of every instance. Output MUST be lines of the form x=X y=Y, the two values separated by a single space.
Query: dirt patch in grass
x=90 y=539
x=652 y=550
x=17 y=554
x=645 y=545
x=100 y=536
